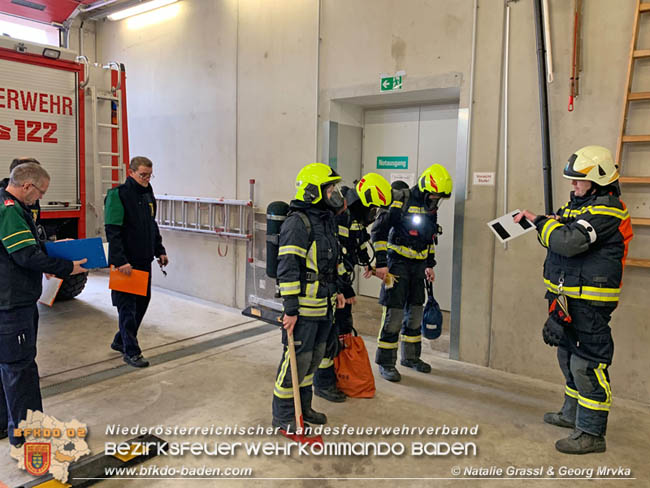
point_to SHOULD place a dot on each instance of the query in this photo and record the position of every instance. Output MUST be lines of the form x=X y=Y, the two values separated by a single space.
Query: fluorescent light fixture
x=138 y=9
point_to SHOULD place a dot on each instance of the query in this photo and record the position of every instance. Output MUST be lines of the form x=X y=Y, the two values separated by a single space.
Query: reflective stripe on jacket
x=587 y=246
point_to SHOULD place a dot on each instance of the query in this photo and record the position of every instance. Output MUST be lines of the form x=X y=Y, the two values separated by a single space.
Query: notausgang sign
x=392 y=162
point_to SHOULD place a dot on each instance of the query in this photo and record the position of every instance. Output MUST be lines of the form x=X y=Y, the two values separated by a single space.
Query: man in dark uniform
x=404 y=244
x=22 y=262
x=35 y=209
x=363 y=201
x=308 y=279
x=586 y=241
x=133 y=242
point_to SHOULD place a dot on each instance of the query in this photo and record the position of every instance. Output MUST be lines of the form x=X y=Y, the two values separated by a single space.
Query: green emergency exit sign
x=390 y=83
x=392 y=162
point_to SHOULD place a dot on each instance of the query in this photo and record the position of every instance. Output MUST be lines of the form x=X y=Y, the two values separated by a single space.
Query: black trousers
x=130 y=309
x=19 y=383
x=325 y=375
x=408 y=292
x=584 y=356
x=310 y=337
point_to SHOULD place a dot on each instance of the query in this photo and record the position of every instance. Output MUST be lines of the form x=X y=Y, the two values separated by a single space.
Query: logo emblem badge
x=37 y=457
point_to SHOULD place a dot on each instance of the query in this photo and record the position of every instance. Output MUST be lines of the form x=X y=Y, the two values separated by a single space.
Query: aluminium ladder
x=642 y=9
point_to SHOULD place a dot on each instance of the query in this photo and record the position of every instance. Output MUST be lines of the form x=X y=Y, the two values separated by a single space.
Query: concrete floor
x=232 y=384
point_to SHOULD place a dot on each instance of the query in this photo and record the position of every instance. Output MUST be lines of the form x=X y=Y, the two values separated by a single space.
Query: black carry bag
x=432 y=316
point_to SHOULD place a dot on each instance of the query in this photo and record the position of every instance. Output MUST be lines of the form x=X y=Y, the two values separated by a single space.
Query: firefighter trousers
x=584 y=356
x=19 y=382
x=325 y=376
x=407 y=290
x=310 y=339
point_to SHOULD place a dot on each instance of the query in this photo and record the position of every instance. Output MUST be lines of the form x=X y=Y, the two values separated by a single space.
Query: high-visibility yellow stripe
x=308 y=381
x=382 y=321
x=549 y=227
x=312 y=312
x=22 y=242
x=586 y=292
x=311 y=289
x=344 y=231
x=417 y=210
x=571 y=392
x=298 y=251
x=593 y=404
x=326 y=363
x=407 y=252
x=598 y=210
x=387 y=345
x=341 y=269
x=290 y=288
x=602 y=379
x=279 y=390
x=397 y=204
x=381 y=246
x=412 y=339
x=17 y=233
x=356 y=226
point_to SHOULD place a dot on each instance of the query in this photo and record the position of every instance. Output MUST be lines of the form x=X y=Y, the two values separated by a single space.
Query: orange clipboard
x=136 y=283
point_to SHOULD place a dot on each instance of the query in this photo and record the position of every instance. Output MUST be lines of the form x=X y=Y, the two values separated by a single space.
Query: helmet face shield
x=333 y=196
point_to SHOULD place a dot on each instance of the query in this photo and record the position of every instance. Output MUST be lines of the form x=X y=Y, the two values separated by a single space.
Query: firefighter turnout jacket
x=307 y=261
x=22 y=256
x=407 y=230
x=131 y=228
x=587 y=246
x=353 y=239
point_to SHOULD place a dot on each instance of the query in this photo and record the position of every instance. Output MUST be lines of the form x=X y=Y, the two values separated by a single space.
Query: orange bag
x=353 y=371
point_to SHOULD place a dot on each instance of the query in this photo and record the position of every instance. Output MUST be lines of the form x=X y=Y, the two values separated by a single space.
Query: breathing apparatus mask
x=432 y=202
x=334 y=200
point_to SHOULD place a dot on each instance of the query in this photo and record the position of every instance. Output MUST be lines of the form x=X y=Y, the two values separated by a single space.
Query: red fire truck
x=71 y=116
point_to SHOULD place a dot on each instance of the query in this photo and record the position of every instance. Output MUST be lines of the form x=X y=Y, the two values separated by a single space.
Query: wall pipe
x=506 y=65
x=543 y=109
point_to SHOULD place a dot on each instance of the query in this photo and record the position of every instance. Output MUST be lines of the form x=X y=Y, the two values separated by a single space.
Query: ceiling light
x=138 y=9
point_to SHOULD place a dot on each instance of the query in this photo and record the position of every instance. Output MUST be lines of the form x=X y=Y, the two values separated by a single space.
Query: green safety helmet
x=373 y=189
x=311 y=181
x=436 y=181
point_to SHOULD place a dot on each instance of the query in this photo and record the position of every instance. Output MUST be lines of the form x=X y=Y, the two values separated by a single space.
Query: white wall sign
x=408 y=178
x=486 y=179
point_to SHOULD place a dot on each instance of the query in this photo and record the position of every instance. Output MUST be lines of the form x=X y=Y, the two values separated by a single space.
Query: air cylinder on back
x=276 y=213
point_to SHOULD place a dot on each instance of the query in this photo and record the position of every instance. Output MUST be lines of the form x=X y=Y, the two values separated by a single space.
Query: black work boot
x=290 y=426
x=389 y=373
x=330 y=393
x=555 y=418
x=311 y=415
x=416 y=364
x=581 y=443
x=136 y=361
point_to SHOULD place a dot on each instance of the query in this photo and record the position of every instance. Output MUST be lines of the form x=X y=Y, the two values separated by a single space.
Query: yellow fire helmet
x=373 y=189
x=312 y=179
x=592 y=163
x=436 y=180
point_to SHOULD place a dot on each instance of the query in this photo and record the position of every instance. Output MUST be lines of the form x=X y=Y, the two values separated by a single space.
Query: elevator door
x=401 y=143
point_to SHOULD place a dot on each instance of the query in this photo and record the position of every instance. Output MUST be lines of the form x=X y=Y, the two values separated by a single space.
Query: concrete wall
x=229 y=91
x=222 y=93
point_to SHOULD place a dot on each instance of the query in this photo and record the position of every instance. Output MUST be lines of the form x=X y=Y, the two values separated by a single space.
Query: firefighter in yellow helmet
x=308 y=281
x=371 y=193
x=404 y=240
x=586 y=242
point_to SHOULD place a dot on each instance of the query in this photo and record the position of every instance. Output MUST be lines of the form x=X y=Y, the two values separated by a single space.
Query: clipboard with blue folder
x=74 y=250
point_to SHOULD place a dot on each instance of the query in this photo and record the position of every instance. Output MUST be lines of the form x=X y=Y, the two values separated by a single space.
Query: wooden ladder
x=623 y=138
